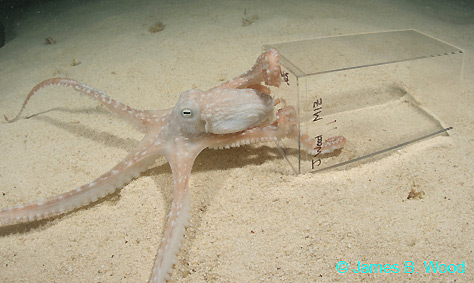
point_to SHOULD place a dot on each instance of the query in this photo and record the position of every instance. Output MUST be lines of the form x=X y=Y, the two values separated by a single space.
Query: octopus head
x=222 y=111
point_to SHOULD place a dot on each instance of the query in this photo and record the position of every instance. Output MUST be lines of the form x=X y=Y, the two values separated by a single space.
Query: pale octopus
x=240 y=111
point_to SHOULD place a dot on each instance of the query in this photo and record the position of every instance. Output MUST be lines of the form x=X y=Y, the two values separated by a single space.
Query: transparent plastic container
x=379 y=90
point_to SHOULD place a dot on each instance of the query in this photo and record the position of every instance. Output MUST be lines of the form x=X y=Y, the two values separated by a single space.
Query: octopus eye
x=187 y=113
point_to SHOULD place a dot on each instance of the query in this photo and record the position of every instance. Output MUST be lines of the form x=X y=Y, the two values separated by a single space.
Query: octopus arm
x=122 y=173
x=266 y=69
x=134 y=116
x=181 y=158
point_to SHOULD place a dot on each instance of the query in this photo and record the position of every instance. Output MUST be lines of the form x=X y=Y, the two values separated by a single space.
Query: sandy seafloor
x=251 y=219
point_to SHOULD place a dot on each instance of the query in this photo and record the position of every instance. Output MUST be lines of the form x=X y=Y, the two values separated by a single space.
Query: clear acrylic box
x=379 y=90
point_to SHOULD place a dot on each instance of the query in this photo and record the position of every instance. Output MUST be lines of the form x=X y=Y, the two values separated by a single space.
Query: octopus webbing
x=240 y=111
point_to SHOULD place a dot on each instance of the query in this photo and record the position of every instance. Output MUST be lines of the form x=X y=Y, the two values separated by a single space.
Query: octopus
x=238 y=112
